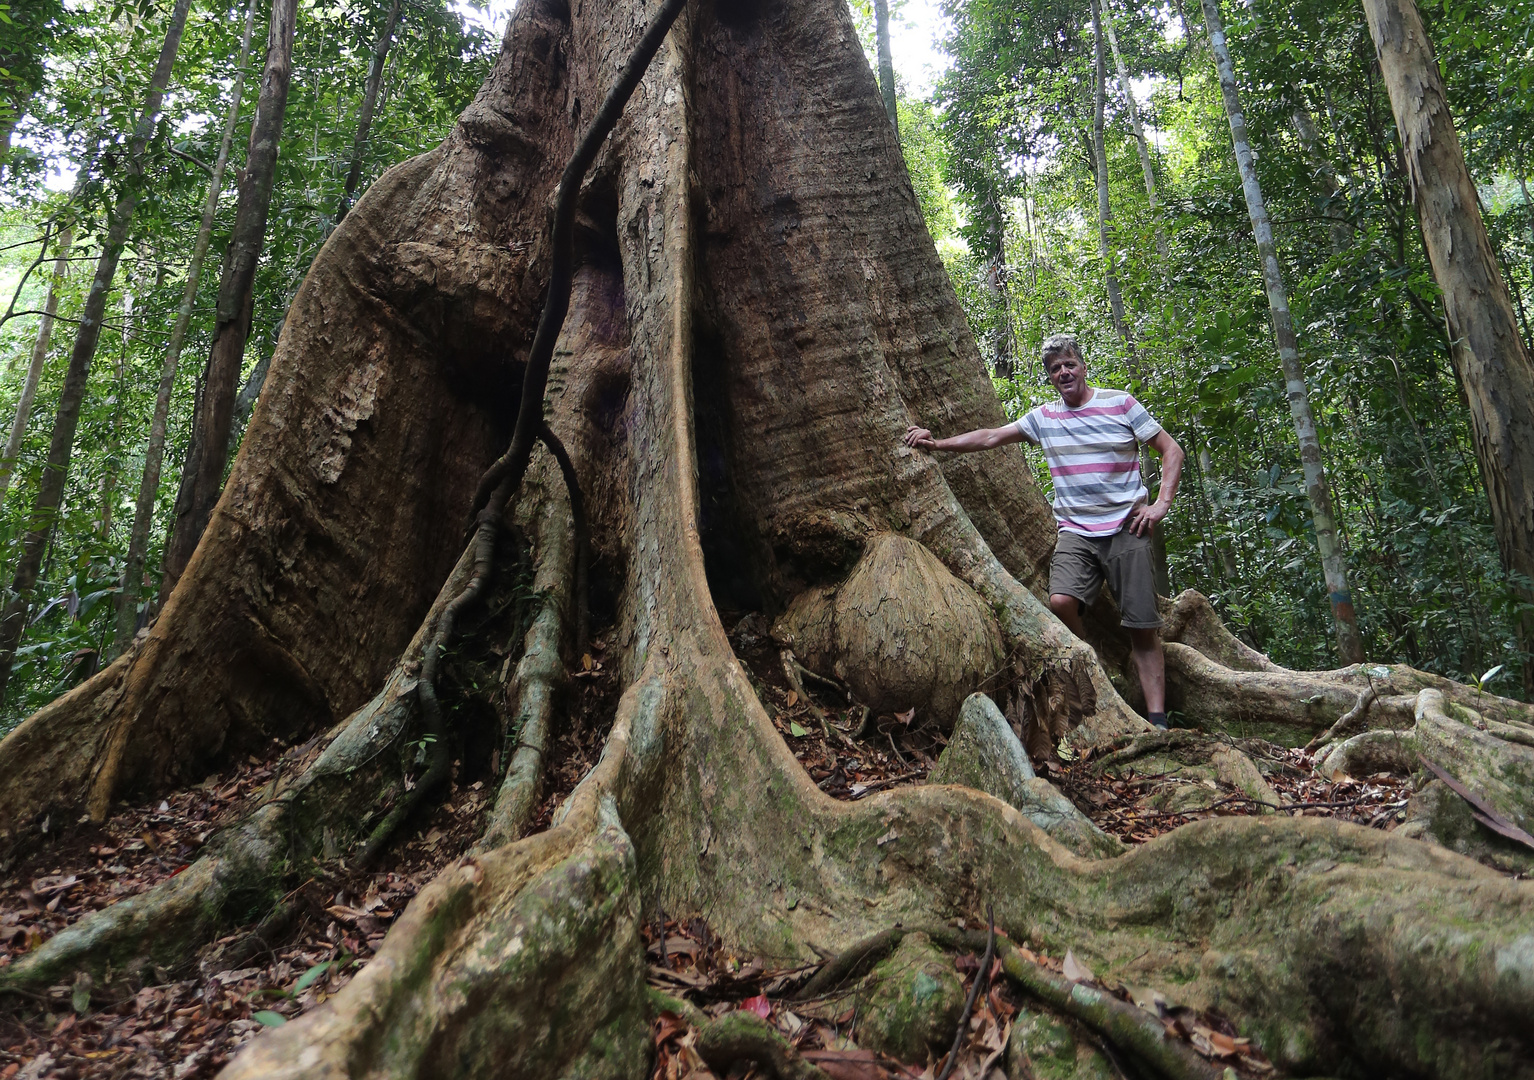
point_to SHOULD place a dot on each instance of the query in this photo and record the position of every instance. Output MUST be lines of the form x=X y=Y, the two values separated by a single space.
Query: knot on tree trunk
x=901 y=631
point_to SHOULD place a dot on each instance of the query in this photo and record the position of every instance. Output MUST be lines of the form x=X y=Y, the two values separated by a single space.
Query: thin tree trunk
x=39 y=358
x=369 y=104
x=995 y=282
x=154 y=453
x=1110 y=274
x=115 y=441
x=1488 y=354
x=1326 y=174
x=203 y=474
x=1141 y=145
x=1104 y=209
x=51 y=491
x=886 y=64
x=1333 y=562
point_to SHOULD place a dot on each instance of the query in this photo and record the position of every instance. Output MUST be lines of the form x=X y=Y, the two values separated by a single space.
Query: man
x=1091 y=440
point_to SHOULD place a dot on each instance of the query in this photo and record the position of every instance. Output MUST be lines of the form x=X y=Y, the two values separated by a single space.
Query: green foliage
x=77 y=119
x=1015 y=116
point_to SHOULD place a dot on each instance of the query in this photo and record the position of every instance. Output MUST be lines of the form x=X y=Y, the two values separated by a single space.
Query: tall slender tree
x=1104 y=207
x=202 y=476
x=154 y=452
x=369 y=104
x=1142 y=145
x=40 y=345
x=886 y=62
x=1489 y=357
x=56 y=470
x=1333 y=561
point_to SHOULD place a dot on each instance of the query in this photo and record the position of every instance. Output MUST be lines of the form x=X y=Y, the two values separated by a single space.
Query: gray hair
x=1060 y=344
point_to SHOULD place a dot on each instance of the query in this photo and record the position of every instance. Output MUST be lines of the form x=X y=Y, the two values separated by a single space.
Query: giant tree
x=1489 y=356
x=744 y=312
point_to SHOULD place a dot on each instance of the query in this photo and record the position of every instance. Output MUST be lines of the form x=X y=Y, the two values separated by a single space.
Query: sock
x=1158 y=719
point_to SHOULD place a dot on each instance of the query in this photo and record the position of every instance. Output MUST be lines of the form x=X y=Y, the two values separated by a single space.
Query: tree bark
x=154 y=452
x=886 y=64
x=202 y=474
x=369 y=103
x=1489 y=357
x=39 y=357
x=56 y=469
x=1333 y=562
x=756 y=314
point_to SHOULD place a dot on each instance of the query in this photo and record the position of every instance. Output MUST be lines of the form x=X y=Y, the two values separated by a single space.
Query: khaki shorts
x=1081 y=563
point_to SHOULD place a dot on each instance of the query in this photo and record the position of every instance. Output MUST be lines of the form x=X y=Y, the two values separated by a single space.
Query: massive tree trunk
x=154 y=452
x=60 y=447
x=1489 y=357
x=1333 y=561
x=369 y=103
x=757 y=314
x=202 y=475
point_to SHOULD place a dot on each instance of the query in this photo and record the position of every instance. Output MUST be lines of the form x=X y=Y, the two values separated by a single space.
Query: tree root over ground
x=731 y=395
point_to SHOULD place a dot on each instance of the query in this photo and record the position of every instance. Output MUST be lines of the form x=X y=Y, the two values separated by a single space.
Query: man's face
x=1068 y=374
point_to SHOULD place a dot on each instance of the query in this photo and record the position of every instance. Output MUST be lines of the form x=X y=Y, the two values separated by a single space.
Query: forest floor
x=188 y=1024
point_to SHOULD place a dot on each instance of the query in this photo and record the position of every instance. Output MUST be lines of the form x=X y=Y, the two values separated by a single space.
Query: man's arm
x=1143 y=518
x=980 y=439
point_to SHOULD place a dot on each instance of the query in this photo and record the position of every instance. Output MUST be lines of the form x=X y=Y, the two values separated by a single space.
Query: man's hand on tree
x=1143 y=518
x=919 y=438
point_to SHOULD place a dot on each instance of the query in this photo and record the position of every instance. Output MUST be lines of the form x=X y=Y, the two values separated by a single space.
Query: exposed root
x=1349 y=723
x=539 y=677
x=577 y=500
x=744 y=1036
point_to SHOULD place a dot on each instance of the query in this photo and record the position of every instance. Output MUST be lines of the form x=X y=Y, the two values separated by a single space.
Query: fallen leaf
x=907 y=716
x=797 y=731
x=1075 y=970
x=759 y=1005
x=267 y=1018
x=793 y=698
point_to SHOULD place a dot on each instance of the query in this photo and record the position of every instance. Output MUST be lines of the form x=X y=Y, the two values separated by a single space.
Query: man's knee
x=1064 y=606
x=1144 y=638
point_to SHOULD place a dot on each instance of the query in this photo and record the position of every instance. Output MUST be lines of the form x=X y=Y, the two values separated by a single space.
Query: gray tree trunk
x=154 y=453
x=202 y=476
x=1333 y=562
x=369 y=104
x=51 y=491
x=39 y=358
x=1488 y=354
x=1142 y=146
x=886 y=64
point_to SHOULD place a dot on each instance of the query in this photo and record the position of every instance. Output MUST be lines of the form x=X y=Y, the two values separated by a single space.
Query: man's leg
x=1150 y=661
x=1068 y=610
x=1132 y=582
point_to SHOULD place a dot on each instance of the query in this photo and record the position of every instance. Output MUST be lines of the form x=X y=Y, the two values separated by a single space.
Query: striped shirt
x=1093 y=456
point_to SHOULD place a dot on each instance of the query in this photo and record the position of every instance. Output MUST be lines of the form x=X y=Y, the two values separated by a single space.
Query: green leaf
x=1486 y=678
x=269 y=1018
x=797 y=731
x=308 y=978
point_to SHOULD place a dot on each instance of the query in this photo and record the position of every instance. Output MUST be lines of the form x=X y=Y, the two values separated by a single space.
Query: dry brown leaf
x=1075 y=970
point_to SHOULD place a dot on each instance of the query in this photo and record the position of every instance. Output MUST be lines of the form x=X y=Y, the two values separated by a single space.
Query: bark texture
x=1333 y=562
x=757 y=313
x=202 y=475
x=1490 y=358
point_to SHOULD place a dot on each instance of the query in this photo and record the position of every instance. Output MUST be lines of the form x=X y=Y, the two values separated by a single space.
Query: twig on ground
x=981 y=977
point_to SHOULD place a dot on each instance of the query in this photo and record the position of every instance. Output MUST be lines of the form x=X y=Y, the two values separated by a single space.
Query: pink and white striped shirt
x=1093 y=456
